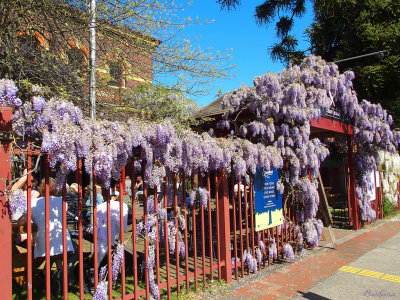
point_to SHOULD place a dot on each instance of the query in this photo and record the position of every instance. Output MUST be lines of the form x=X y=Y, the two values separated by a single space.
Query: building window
x=115 y=73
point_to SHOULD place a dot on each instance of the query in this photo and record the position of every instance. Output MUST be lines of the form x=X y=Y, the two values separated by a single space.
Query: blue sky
x=237 y=30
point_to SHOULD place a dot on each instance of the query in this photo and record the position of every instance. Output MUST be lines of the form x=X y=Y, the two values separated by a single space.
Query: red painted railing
x=211 y=236
x=206 y=238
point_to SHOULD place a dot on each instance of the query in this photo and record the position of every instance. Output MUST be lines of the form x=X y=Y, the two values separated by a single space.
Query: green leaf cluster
x=343 y=29
x=348 y=28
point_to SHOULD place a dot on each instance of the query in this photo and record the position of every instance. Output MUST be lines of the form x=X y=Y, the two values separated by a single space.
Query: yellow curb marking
x=368 y=273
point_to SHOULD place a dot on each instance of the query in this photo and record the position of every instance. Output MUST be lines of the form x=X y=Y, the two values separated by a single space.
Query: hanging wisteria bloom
x=288 y=250
x=102 y=273
x=101 y=291
x=117 y=261
x=8 y=93
x=17 y=204
x=273 y=251
x=250 y=261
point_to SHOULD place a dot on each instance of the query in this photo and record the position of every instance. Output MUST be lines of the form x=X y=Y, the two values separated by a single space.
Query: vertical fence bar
x=290 y=225
x=210 y=242
x=217 y=225
x=109 y=258
x=29 y=225
x=265 y=244
x=234 y=222
x=353 y=197
x=252 y=216
x=203 y=240
x=185 y=233
x=282 y=237
x=64 y=238
x=284 y=223
x=258 y=243
x=47 y=229
x=157 y=240
x=80 y=234
x=240 y=226
x=95 y=246
x=135 y=274
x=166 y=240
x=121 y=229
x=224 y=224
x=178 y=285
x=278 y=248
x=268 y=237
x=194 y=243
x=246 y=220
x=146 y=246
x=5 y=223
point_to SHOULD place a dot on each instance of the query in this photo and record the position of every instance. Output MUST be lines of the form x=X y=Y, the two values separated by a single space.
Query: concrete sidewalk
x=305 y=279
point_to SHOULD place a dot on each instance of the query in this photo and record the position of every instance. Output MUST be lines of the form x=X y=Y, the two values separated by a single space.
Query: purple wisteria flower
x=8 y=93
x=191 y=199
x=38 y=103
x=203 y=195
x=101 y=291
x=250 y=261
x=17 y=204
x=288 y=250
x=102 y=273
x=258 y=256
x=273 y=251
x=117 y=261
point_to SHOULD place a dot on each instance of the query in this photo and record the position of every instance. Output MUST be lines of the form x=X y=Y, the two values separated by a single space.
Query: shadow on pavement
x=312 y=296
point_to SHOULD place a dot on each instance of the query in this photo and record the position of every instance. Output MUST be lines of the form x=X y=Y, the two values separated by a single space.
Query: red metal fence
x=211 y=237
x=215 y=236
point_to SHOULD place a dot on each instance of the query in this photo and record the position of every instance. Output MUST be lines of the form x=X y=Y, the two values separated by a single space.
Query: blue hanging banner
x=267 y=199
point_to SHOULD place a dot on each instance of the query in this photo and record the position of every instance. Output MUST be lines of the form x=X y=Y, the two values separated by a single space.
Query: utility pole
x=92 y=90
x=92 y=84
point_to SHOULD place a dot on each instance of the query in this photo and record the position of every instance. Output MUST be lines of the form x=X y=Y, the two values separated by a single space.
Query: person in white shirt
x=115 y=224
x=55 y=223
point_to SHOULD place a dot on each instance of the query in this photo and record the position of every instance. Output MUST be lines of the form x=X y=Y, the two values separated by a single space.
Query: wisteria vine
x=281 y=108
x=277 y=135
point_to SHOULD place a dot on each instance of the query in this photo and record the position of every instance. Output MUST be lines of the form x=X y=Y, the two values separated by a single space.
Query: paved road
x=365 y=266
x=368 y=277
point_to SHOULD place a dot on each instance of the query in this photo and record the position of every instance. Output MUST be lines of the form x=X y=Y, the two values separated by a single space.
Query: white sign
x=371 y=194
x=377 y=179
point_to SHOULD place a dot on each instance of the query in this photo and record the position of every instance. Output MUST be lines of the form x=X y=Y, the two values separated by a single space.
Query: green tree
x=349 y=28
x=343 y=29
x=161 y=103
x=284 y=13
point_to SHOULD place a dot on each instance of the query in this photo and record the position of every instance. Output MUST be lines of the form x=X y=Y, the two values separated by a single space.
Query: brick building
x=123 y=56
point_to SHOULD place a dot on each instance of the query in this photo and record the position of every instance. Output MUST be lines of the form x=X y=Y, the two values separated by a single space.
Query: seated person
x=55 y=224
x=87 y=194
x=72 y=203
x=128 y=186
x=139 y=187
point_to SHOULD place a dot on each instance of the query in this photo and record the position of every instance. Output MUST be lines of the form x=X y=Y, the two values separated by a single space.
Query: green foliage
x=161 y=103
x=284 y=11
x=348 y=28
x=388 y=207
x=343 y=29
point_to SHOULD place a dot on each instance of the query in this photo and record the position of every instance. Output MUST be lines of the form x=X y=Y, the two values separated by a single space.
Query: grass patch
x=389 y=209
x=39 y=291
